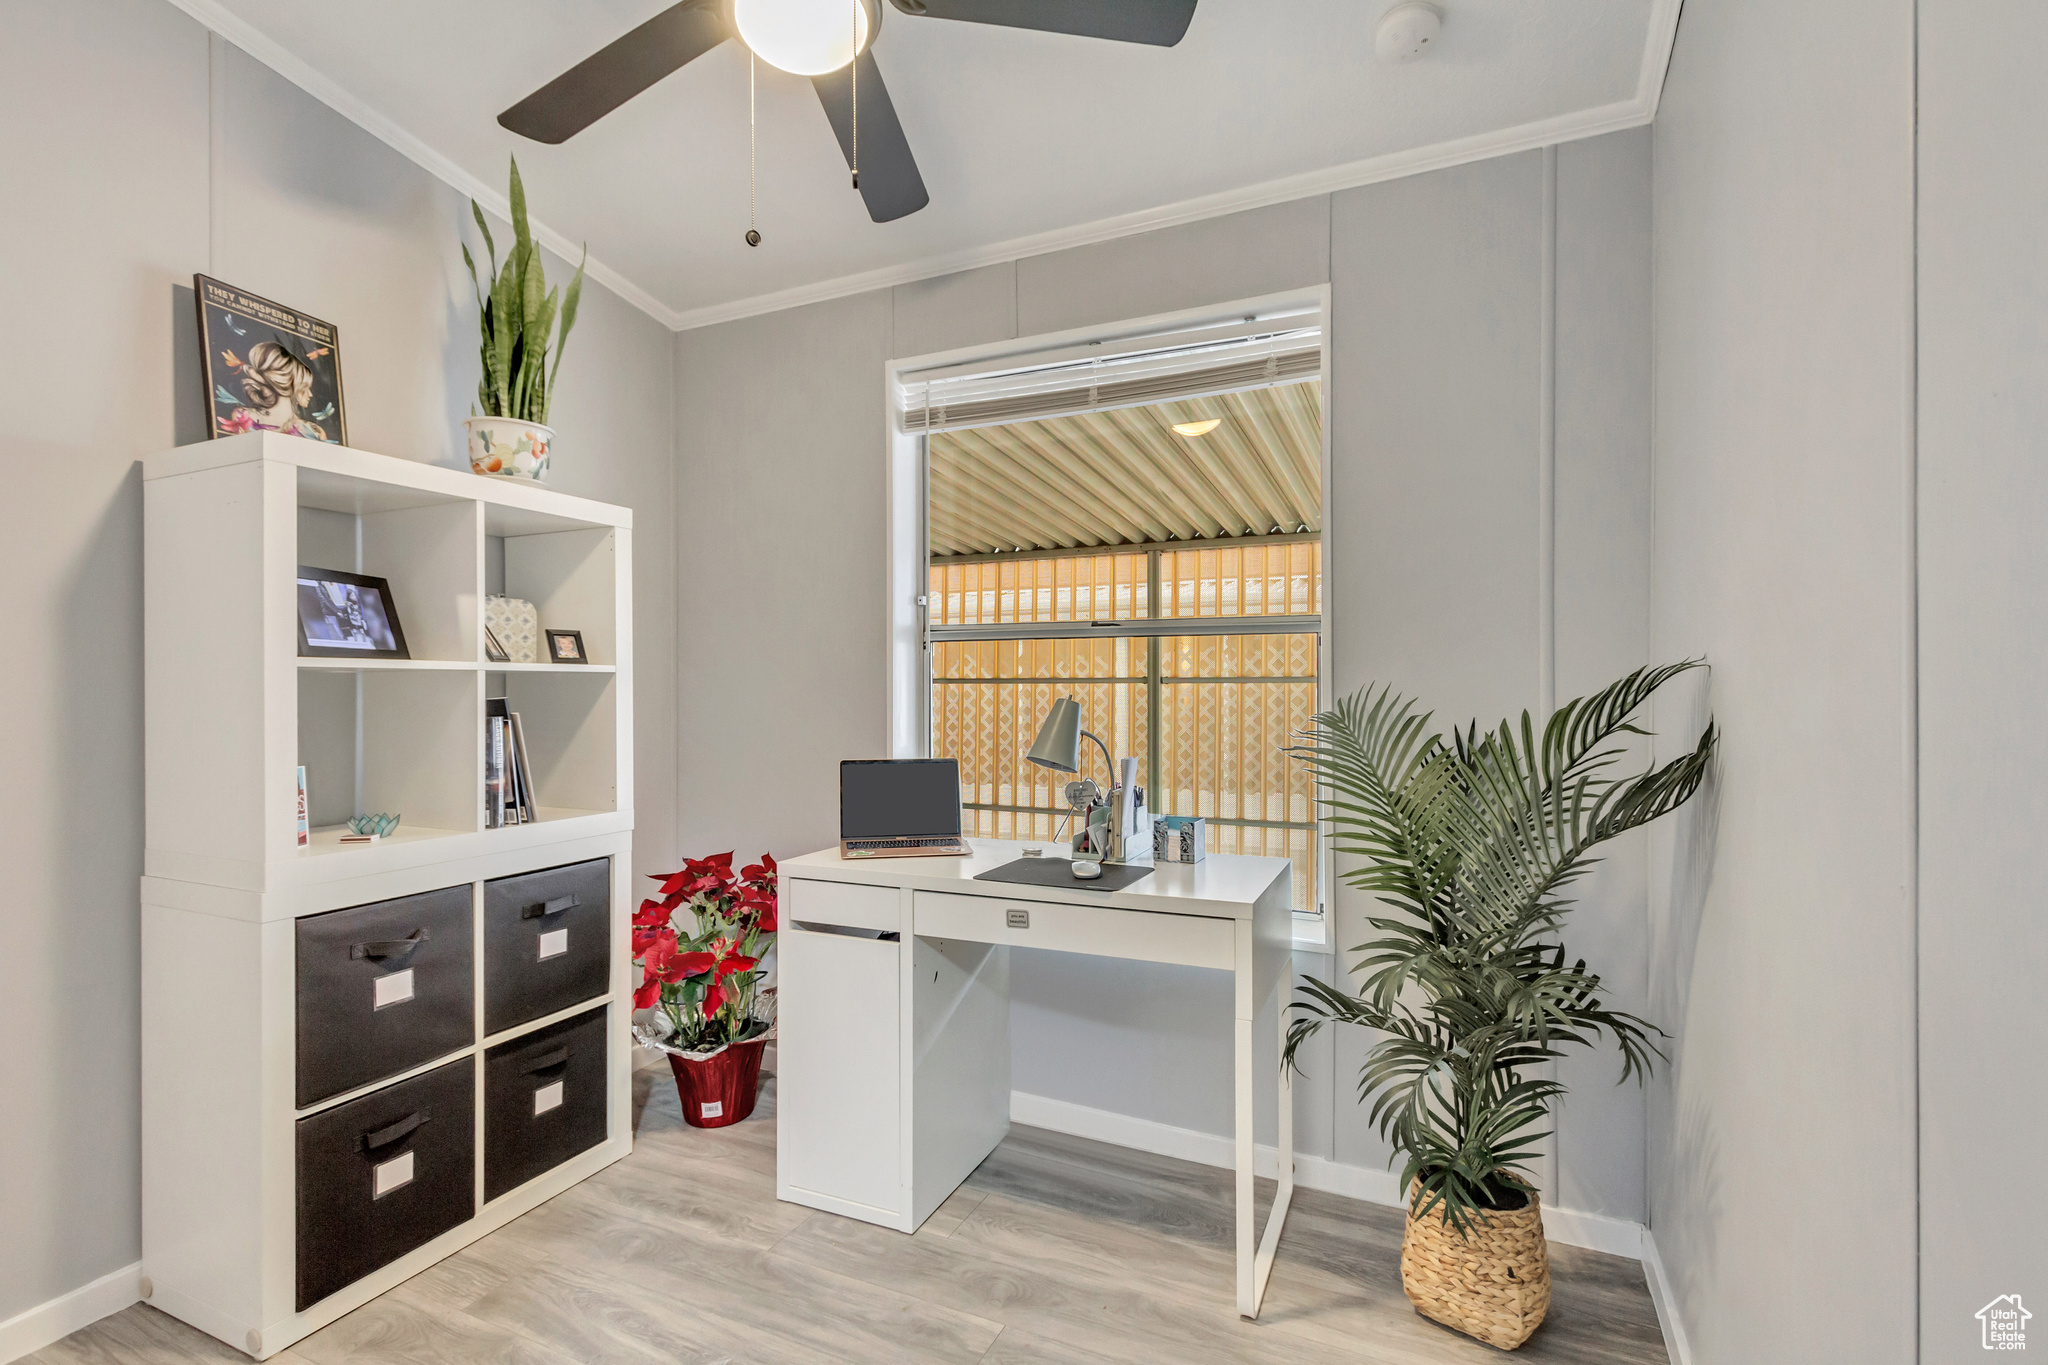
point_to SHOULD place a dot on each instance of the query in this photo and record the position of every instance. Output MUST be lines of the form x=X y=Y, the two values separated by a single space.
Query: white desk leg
x=1247 y=1162
x=1276 y=1219
x=1255 y=1262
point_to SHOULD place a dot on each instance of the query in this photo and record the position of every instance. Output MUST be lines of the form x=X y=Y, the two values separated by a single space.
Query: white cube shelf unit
x=231 y=711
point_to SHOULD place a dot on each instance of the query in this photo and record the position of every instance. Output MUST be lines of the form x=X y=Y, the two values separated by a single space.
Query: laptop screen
x=899 y=798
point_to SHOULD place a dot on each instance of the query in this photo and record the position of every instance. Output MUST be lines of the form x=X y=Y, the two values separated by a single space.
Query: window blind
x=1065 y=384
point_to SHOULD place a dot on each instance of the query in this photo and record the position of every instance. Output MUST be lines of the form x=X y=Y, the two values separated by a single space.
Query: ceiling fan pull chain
x=753 y=234
x=856 y=117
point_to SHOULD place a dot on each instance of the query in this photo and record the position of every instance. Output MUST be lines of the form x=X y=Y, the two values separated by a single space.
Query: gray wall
x=1438 y=334
x=138 y=152
x=1782 y=1140
x=1983 y=503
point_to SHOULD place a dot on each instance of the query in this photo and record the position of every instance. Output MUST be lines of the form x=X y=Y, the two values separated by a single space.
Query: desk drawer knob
x=1017 y=919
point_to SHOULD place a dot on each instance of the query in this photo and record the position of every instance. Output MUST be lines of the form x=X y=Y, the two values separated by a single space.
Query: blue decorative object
x=379 y=824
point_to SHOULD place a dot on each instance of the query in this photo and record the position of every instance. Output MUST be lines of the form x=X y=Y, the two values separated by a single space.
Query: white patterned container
x=517 y=626
x=508 y=448
x=1179 y=838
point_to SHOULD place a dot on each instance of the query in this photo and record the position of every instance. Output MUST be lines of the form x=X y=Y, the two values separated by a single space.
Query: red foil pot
x=719 y=1090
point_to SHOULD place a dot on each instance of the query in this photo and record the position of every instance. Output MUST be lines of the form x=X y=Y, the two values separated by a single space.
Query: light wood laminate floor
x=1057 y=1250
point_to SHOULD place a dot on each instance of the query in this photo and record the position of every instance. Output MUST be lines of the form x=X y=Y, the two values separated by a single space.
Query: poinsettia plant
x=699 y=947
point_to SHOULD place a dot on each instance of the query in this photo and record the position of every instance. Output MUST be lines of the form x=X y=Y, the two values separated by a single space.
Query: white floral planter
x=508 y=448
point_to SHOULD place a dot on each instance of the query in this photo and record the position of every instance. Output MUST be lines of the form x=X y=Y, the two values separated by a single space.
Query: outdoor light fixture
x=804 y=37
x=1201 y=428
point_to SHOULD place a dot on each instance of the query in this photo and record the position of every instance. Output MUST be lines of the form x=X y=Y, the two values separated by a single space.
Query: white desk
x=894 y=1016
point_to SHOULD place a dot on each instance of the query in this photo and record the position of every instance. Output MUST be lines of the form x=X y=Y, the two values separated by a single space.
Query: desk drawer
x=1187 y=940
x=842 y=904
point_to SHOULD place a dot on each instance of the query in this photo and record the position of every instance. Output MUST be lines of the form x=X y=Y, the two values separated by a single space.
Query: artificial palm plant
x=518 y=314
x=1469 y=847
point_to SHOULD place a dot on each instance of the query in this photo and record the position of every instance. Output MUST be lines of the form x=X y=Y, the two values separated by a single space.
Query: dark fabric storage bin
x=424 y=1129
x=346 y=1038
x=519 y=1077
x=563 y=912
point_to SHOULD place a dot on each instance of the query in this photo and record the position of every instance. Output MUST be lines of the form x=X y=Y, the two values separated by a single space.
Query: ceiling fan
x=831 y=42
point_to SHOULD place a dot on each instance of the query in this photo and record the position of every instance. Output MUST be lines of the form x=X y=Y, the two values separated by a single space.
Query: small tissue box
x=1179 y=838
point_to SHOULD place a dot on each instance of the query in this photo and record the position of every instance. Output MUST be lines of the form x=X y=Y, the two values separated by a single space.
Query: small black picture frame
x=566 y=647
x=347 y=616
x=267 y=367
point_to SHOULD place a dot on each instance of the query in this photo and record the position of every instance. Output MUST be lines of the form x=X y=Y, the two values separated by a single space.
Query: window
x=1171 y=584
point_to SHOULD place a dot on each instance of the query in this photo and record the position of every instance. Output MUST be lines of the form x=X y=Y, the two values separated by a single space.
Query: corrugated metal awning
x=1125 y=477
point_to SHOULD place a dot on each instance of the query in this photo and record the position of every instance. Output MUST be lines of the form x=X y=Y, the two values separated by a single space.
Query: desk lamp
x=1058 y=747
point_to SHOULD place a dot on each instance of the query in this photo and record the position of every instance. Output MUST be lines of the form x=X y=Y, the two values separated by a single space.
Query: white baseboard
x=1594 y=1231
x=1573 y=1227
x=30 y=1331
x=1675 y=1344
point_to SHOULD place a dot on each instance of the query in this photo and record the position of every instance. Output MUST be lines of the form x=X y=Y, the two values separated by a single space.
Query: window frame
x=907 y=491
x=1155 y=627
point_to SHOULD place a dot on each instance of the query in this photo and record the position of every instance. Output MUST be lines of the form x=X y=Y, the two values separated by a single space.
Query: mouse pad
x=1059 y=872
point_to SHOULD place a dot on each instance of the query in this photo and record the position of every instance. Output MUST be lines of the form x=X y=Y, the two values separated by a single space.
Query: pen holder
x=1098 y=839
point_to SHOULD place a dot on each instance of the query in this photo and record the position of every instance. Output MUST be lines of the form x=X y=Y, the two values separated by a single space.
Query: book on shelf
x=305 y=828
x=494 y=772
x=508 y=773
x=522 y=767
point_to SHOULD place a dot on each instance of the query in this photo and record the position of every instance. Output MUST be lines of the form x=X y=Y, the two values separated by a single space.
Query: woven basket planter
x=1493 y=1285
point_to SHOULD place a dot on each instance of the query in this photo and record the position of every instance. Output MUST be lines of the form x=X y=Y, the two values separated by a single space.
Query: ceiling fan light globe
x=803 y=37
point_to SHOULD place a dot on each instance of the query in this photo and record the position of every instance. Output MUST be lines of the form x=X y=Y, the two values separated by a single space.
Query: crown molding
x=1661 y=34
x=1631 y=113
x=1657 y=48
x=217 y=18
x=1392 y=166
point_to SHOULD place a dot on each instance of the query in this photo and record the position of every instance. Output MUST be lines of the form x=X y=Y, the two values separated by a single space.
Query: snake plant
x=518 y=313
x=1469 y=847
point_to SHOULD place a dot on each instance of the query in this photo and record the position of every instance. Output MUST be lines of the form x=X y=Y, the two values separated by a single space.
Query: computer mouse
x=1087 y=872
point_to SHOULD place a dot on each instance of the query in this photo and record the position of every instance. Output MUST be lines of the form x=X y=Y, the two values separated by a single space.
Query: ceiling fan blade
x=606 y=79
x=1160 y=23
x=889 y=180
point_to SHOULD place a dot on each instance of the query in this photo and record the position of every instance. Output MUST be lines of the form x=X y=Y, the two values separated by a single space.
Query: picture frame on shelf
x=267 y=367
x=494 y=652
x=566 y=647
x=347 y=616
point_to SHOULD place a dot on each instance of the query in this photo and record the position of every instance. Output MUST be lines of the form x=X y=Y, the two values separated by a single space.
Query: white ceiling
x=1027 y=141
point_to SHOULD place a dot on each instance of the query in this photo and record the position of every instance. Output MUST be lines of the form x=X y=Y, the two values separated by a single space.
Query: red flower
x=648 y=922
x=761 y=908
x=714 y=990
x=700 y=876
x=686 y=965
x=733 y=905
x=656 y=955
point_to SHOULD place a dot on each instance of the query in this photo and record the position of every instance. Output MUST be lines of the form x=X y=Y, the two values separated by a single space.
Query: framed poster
x=267 y=367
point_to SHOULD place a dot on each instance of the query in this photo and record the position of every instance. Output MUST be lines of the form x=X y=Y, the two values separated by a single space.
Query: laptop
x=900 y=808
